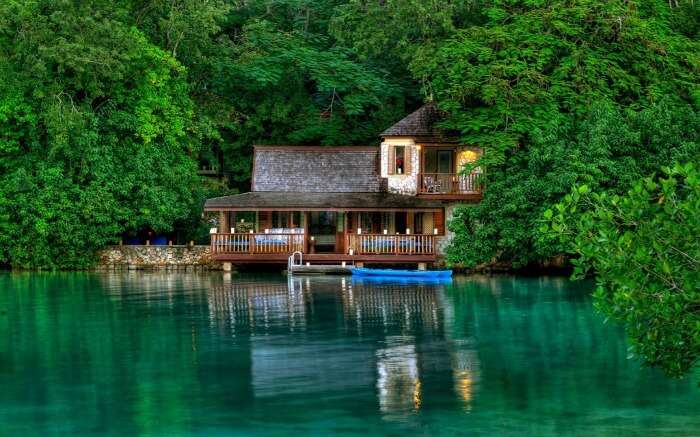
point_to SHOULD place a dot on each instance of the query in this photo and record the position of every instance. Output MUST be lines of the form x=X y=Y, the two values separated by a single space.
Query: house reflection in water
x=393 y=305
x=380 y=342
x=257 y=307
x=398 y=380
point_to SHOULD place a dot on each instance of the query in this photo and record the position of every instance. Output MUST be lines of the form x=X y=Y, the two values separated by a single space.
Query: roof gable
x=316 y=169
x=420 y=123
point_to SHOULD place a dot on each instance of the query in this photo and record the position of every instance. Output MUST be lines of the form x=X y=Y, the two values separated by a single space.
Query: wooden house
x=374 y=204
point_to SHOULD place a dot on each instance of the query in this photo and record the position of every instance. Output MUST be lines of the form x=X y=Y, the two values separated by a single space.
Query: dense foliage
x=559 y=92
x=645 y=250
x=608 y=150
x=94 y=134
x=108 y=108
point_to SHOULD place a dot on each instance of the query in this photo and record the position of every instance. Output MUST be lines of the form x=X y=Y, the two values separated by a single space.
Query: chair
x=431 y=184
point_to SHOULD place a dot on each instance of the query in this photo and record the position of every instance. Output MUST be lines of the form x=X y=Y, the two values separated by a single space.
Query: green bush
x=644 y=248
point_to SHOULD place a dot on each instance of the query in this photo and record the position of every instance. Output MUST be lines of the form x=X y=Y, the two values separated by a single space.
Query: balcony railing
x=449 y=183
x=267 y=243
x=381 y=244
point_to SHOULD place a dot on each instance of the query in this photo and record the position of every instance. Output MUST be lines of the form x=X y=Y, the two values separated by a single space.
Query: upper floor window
x=398 y=160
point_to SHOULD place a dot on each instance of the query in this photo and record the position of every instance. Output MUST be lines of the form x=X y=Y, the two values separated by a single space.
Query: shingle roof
x=316 y=169
x=419 y=123
x=301 y=201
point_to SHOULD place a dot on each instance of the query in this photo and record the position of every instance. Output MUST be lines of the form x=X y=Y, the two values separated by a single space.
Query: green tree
x=528 y=63
x=608 y=151
x=95 y=136
x=521 y=80
x=644 y=250
x=269 y=72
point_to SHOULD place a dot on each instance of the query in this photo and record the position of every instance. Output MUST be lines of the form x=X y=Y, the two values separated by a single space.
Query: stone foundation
x=157 y=257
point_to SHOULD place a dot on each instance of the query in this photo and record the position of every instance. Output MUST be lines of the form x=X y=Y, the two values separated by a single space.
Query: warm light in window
x=466 y=156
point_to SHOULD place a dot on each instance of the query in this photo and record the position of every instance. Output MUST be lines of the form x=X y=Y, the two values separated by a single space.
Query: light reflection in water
x=398 y=380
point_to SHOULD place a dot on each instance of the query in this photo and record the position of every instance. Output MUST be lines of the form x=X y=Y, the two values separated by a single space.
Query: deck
x=365 y=248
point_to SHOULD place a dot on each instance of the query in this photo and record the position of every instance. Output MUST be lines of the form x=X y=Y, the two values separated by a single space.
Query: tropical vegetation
x=108 y=109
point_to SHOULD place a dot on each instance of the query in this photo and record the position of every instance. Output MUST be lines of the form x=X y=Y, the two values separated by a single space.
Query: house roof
x=318 y=201
x=316 y=169
x=419 y=123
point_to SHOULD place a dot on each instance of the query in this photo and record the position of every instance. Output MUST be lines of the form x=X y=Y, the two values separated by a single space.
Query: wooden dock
x=322 y=269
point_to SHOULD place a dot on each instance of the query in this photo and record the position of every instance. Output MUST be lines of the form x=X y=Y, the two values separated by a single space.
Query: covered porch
x=344 y=230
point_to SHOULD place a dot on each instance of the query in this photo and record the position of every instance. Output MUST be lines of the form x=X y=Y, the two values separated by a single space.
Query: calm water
x=180 y=354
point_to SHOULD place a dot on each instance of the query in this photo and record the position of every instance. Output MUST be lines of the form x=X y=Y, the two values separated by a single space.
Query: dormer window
x=398 y=160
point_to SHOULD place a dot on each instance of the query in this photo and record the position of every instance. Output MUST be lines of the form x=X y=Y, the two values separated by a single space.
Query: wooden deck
x=360 y=248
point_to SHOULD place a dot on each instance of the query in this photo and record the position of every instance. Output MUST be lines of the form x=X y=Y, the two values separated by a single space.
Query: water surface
x=211 y=354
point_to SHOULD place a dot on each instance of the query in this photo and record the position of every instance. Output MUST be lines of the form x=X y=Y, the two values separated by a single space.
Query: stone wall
x=449 y=235
x=406 y=184
x=157 y=257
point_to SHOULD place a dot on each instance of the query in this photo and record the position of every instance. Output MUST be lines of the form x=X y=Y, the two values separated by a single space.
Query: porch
x=255 y=247
x=266 y=227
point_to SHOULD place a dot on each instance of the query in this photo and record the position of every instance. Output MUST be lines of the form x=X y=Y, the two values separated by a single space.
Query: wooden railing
x=381 y=244
x=449 y=183
x=256 y=243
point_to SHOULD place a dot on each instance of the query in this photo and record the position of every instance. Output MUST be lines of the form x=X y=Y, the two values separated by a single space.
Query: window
x=399 y=160
x=438 y=161
x=280 y=219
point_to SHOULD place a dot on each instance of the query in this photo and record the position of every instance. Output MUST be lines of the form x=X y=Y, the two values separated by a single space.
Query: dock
x=321 y=269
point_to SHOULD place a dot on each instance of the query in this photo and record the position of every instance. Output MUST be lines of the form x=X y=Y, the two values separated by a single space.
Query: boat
x=427 y=274
x=401 y=280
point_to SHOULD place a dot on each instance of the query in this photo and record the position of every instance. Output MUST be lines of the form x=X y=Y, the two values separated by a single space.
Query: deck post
x=306 y=231
x=422 y=266
x=359 y=264
x=227 y=267
x=223 y=222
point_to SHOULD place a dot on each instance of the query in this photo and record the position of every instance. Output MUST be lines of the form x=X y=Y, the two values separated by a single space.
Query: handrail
x=291 y=263
x=449 y=183
x=254 y=243
x=386 y=244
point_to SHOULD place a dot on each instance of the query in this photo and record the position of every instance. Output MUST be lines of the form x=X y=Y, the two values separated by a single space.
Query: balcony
x=450 y=185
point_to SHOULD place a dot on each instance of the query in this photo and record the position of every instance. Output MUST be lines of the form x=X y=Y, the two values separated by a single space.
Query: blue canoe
x=428 y=274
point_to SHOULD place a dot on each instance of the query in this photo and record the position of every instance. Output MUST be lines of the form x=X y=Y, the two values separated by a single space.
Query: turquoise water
x=209 y=354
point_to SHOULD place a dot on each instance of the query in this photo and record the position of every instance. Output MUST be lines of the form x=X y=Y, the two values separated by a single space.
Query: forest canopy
x=107 y=109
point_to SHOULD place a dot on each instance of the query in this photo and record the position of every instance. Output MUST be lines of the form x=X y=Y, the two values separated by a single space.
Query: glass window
x=399 y=159
x=445 y=161
x=280 y=219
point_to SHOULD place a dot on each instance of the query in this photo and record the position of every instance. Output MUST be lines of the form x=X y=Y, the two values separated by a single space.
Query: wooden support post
x=227 y=267
x=306 y=231
x=222 y=222
x=359 y=264
x=422 y=266
x=345 y=231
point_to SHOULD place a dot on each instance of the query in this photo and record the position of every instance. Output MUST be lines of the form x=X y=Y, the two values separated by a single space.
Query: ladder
x=291 y=262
